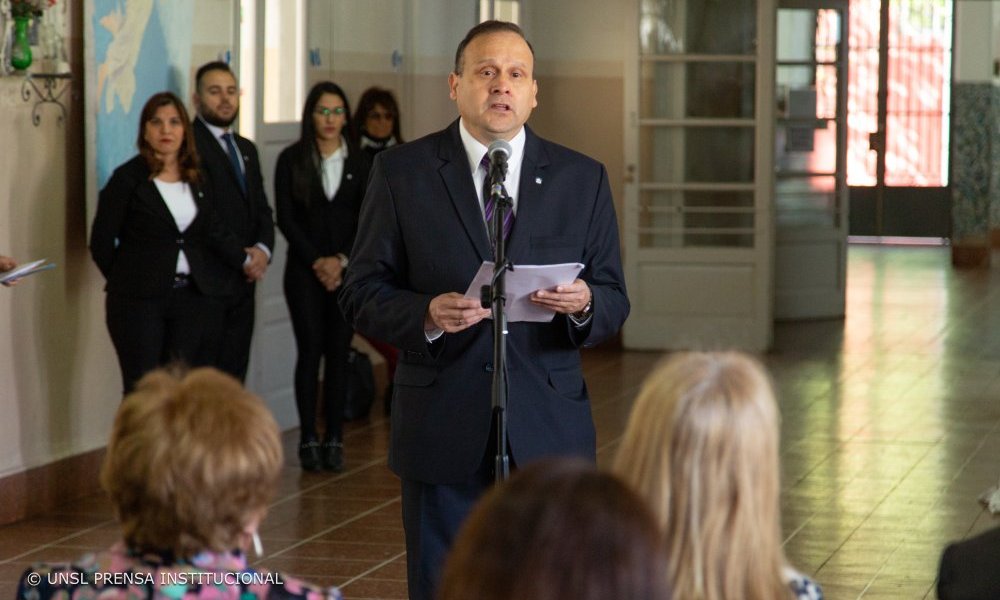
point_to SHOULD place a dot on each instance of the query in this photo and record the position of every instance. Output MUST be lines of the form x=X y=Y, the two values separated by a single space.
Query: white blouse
x=333 y=170
x=180 y=201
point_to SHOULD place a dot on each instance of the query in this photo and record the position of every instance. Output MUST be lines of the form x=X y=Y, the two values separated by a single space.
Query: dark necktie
x=234 y=159
x=488 y=203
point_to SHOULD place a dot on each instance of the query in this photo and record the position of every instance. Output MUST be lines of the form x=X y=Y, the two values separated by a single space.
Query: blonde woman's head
x=702 y=446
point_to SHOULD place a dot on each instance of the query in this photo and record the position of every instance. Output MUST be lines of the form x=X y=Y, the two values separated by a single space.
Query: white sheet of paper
x=25 y=270
x=521 y=282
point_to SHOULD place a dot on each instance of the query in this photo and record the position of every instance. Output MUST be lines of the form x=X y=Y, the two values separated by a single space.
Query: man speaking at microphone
x=423 y=234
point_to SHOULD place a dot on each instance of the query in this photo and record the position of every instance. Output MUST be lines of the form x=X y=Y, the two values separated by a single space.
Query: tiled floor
x=891 y=430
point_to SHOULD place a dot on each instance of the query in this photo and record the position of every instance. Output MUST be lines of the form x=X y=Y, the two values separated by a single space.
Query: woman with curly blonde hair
x=191 y=465
x=702 y=446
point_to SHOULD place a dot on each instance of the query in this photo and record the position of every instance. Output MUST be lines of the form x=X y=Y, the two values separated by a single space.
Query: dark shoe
x=309 y=456
x=333 y=456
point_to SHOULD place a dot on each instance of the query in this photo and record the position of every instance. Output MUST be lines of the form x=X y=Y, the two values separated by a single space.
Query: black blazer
x=970 y=569
x=135 y=240
x=247 y=216
x=422 y=234
x=313 y=225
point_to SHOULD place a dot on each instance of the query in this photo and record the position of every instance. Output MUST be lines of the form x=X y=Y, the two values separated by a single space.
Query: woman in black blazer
x=161 y=248
x=319 y=183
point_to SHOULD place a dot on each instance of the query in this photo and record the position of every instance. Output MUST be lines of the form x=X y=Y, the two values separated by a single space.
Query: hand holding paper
x=522 y=281
x=11 y=277
x=453 y=312
x=566 y=298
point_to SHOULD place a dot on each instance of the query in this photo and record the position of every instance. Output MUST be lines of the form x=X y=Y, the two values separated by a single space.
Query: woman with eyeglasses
x=319 y=183
x=378 y=114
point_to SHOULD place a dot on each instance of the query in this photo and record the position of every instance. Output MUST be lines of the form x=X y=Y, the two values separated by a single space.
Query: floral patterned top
x=803 y=588
x=120 y=574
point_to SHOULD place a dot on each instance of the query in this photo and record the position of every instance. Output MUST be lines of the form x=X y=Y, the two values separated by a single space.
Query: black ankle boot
x=333 y=456
x=309 y=456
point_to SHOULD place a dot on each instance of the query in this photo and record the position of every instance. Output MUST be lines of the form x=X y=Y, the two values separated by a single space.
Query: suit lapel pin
x=538 y=180
x=350 y=176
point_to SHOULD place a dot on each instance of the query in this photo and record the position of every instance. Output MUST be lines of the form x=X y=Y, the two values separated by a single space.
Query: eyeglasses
x=381 y=116
x=326 y=112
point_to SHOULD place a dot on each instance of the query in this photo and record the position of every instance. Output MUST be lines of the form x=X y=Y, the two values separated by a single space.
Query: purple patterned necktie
x=508 y=221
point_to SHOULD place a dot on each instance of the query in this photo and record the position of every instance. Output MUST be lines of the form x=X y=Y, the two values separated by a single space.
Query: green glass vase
x=20 y=50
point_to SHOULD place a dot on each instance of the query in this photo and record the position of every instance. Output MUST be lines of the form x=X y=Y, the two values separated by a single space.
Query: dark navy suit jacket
x=422 y=234
x=248 y=215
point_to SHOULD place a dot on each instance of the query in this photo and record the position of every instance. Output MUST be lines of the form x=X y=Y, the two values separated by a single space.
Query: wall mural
x=134 y=48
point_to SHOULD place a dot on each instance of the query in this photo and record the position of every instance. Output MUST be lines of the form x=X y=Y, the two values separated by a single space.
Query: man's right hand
x=255 y=268
x=453 y=312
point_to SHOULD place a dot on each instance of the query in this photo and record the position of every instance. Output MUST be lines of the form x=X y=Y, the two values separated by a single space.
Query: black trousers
x=182 y=326
x=321 y=333
x=237 y=333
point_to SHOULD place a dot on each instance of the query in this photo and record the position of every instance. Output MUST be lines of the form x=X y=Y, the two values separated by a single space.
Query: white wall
x=59 y=380
x=579 y=65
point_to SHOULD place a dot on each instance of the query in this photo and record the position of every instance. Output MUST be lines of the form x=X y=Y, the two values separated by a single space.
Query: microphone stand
x=494 y=295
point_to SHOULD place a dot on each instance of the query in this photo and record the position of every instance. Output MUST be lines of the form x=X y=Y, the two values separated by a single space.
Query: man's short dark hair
x=215 y=65
x=485 y=28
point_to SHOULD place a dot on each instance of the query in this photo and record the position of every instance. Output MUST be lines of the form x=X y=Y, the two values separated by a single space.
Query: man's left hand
x=565 y=299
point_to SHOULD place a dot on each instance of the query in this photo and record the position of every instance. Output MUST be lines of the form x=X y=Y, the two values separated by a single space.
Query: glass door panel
x=699 y=137
x=810 y=195
x=900 y=111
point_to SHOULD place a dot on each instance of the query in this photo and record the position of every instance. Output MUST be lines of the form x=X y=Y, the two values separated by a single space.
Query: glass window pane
x=697 y=154
x=862 y=101
x=670 y=90
x=806 y=146
x=919 y=93
x=698 y=26
x=503 y=10
x=919 y=102
x=806 y=201
x=915 y=151
x=679 y=219
x=284 y=40
x=248 y=68
x=820 y=79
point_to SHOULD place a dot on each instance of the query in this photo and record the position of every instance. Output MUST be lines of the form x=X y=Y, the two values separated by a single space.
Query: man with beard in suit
x=236 y=187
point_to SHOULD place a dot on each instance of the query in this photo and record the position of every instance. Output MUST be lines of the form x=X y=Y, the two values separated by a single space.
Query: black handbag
x=360 y=386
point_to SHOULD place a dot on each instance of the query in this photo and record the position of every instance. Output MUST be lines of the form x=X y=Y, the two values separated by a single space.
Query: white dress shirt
x=475 y=151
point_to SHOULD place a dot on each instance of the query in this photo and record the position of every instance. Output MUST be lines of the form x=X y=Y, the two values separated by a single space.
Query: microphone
x=498 y=151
